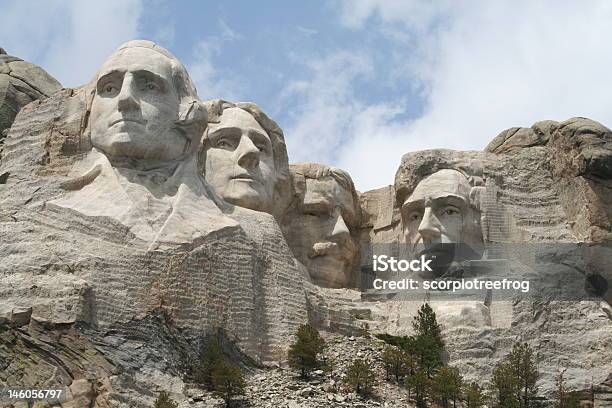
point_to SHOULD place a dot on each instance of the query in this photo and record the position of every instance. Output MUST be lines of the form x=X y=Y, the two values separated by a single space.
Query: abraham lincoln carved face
x=439 y=219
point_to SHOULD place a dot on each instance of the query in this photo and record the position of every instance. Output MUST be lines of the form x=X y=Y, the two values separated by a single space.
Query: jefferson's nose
x=340 y=231
x=126 y=100
x=248 y=153
x=429 y=228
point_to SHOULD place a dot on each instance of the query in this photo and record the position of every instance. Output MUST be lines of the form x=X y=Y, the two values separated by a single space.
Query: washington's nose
x=429 y=228
x=248 y=153
x=340 y=231
x=126 y=100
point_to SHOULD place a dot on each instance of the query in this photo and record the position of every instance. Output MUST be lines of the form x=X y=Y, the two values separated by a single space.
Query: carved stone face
x=438 y=213
x=240 y=161
x=322 y=240
x=135 y=107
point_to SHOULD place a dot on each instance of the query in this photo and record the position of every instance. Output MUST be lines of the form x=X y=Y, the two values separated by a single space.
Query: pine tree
x=397 y=362
x=426 y=324
x=473 y=396
x=227 y=381
x=427 y=344
x=419 y=383
x=211 y=354
x=360 y=377
x=514 y=379
x=427 y=353
x=504 y=387
x=304 y=353
x=446 y=385
x=525 y=371
x=163 y=401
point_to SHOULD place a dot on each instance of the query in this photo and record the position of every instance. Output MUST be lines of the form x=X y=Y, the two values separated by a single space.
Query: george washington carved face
x=135 y=107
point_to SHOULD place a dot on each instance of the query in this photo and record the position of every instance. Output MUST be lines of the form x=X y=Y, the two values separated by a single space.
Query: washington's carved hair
x=192 y=114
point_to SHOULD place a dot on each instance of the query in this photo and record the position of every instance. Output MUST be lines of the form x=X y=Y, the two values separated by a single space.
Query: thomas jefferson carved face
x=135 y=107
x=438 y=214
x=320 y=231
x=240 y=161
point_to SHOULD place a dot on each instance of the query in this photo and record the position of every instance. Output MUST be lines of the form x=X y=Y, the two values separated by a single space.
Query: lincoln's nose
x=429 y=228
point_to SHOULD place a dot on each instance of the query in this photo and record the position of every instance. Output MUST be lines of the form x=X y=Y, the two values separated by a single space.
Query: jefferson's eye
x=151 y=86
x=108 y=89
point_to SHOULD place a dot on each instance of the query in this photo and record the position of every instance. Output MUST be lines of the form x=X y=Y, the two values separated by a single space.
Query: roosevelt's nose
x=126 y=100
x=429 y=228
x=340 y=231
x=248 y=153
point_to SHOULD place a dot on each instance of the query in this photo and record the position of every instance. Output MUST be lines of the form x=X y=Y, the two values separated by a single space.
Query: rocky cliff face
x=21 y=83
x=114 y=301
x=88 y=284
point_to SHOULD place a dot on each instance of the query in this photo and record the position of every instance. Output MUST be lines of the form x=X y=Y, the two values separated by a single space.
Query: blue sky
x=353 y=83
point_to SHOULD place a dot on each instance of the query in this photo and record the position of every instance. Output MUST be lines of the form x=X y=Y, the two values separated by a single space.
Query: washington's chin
x=138 y=145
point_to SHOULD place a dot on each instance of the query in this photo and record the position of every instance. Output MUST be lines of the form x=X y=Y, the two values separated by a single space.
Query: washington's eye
x=262 y=147
x=151 y=86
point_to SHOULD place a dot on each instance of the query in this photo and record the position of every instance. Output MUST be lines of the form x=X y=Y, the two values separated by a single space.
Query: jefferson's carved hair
x=215 y=110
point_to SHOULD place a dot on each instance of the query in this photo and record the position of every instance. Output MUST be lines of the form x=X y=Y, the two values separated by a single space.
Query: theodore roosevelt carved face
x=321 y=224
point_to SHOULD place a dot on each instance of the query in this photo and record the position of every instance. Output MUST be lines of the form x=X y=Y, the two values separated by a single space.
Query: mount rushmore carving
x=130 y=209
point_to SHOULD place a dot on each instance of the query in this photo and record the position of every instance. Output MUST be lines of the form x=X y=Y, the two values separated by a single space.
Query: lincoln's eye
x=151 y=86
x=450 y=211
x=414 y=216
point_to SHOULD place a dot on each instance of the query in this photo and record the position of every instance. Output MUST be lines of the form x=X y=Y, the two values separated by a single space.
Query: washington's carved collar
x=153 y=201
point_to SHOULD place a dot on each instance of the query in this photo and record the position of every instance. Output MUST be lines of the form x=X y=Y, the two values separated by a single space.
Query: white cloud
x=68 y=39
x=323 y=107
x=210 y=82
x=484 y=67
